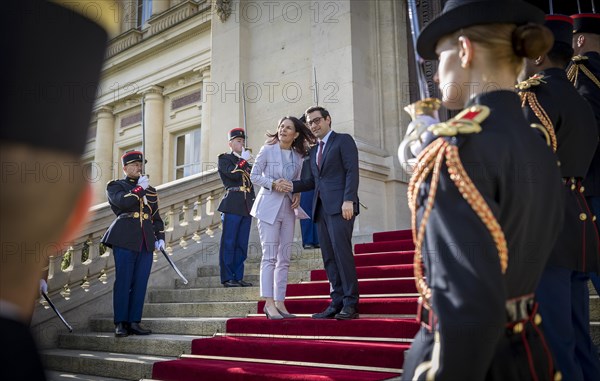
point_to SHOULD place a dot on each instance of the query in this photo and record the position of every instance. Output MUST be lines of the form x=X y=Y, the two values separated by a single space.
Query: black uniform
x=235 y=201
x=590 y=90
x=132 y=236
x=136 y=224
x=572 y=121
x=476 y=311
x=236 y=218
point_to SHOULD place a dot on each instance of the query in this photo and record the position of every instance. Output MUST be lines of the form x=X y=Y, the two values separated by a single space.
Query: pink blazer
x=267 y=168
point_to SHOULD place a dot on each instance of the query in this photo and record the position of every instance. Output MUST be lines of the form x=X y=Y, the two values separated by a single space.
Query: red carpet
x=368 y=272
x=368 y=348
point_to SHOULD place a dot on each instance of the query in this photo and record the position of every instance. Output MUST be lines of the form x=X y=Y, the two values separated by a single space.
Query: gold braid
x=433 y=151
x=431 y=159
x=529 y=98
x=577 y=65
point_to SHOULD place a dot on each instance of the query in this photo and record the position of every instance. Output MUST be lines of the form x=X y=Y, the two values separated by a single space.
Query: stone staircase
x=176 y=317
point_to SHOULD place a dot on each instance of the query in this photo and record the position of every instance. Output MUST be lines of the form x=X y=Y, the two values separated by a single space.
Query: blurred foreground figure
x=50 y=70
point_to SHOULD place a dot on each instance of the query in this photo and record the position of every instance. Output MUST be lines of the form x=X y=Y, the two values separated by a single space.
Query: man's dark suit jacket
x=337 y=180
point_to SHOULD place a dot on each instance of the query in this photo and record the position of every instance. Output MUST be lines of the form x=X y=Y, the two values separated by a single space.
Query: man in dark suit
x=334 y=177
x=235 y=207
x=552 y=101
x=133 y=236
x=42 y=127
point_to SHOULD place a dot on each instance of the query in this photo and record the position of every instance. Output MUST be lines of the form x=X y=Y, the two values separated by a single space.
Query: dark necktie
x=320 y=154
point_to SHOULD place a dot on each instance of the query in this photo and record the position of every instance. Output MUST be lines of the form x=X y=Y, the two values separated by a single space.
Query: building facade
x=181 y=69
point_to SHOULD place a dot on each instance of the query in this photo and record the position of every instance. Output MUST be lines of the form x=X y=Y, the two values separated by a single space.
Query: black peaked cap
x=459 y=14
x=50 y=72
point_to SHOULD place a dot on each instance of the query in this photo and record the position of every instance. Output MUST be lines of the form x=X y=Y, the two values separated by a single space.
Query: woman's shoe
x=272 y=317
x=286 y=315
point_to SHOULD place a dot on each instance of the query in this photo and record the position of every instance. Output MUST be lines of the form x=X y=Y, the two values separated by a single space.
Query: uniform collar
x=131 y=180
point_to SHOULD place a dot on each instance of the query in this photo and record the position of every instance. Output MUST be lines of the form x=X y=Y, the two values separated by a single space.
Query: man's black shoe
x=121 y=330
x=308 y=247
x=329 y=313
x=347 y=313
x=137 y=329
x=243 y=283
x=231 y=283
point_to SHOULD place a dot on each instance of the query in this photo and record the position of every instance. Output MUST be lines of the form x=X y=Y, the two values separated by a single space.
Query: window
x=144 y=11
x=187 y=154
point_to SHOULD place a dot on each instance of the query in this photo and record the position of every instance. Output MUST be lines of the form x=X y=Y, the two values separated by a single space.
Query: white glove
x=160 y=244
x=419 y=126
x=143 y=182
x=246 y=155
x=43 y=286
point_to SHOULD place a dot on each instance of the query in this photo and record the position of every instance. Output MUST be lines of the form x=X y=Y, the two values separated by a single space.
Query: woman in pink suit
x=279 y=159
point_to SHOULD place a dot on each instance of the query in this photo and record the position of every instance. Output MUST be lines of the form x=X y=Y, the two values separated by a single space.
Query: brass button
x=537 y=319
x=518 y=328
x=558 y=376
x=583 y=217
x=573 y=187
x=593 y=218
x=136 y=214
x=146 y=216
x=582 y=189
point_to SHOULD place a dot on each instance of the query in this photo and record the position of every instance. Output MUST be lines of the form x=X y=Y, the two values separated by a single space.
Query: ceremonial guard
x=486 y=200
x=584 y=72
x=235 y=207
x=551 y=101
x=133 y=236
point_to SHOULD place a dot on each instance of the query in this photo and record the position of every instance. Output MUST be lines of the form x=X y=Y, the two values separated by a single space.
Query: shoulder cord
x=431 y=158
x=530 y=99
x=573 y=73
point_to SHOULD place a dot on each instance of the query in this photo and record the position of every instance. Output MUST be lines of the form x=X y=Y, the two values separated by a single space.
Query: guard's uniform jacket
x=137 y=223
x=550 y=100
x=239 y=191
x=484 y=238
x=584 y=72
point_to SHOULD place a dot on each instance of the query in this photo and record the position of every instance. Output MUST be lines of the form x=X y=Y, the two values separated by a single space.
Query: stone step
x=206 y=326
x=155 y=344
x=255 y=252
x=202 y=309
x=68 y=376
x=595 y=333
x=194 y=295
x=594 y=308
x=106 y=364
x=251 y=276
x=253 y=268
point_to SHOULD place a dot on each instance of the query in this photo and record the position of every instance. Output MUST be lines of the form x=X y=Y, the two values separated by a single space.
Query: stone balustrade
x=188 y=208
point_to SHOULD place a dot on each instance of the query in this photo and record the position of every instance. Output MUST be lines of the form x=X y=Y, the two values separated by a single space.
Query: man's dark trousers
x=132 y=270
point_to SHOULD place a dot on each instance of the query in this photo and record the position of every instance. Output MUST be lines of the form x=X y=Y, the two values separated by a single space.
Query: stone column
x=153 y=120
x=103 y=167
x=205 y=102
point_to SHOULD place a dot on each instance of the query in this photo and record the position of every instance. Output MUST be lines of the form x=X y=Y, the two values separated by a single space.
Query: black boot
x=137 y=329
x=121 y=330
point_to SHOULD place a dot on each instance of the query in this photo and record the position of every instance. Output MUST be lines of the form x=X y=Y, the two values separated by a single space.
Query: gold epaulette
x=534 y=80
x=577 y=64
x=530 y=99
x=466 y=122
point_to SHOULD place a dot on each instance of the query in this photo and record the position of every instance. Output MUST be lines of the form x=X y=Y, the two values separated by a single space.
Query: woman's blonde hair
x=508 y=44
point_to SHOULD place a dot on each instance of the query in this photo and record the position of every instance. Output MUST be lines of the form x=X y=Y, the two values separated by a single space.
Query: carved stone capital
x=104 y=112
x=152 y=92
x=223 y=8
